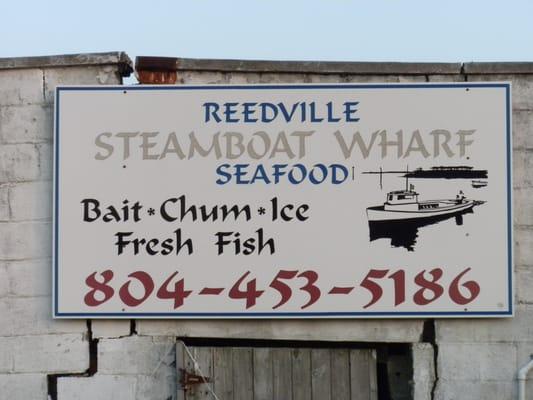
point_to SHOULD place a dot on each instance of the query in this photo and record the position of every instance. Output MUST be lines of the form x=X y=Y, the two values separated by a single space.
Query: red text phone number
x=102 y=287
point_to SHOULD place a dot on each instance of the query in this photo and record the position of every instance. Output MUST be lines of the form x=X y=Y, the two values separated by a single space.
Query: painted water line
x=522 y=377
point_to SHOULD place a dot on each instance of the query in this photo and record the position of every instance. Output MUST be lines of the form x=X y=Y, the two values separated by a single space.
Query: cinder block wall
x=453 y=359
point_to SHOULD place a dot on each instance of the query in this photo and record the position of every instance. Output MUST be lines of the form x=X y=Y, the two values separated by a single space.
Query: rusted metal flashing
x=156 y=77
x=119 y=58
x=156 y=70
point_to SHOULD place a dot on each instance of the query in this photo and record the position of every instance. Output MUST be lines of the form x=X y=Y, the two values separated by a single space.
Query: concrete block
x=372 y=78
x=136 y=355
x=29 y=278
x=88 y=75
x=4 y=280
x=412 y=78
x=527 y=176
x=446 y=78
x=101 y=387
x=490 y=330
x=46 y=163
x=7 y=358
x=524 y=354
x=26 y=123
x=263 y=78
x=255 y=77
x=23 y=240
x=110 y=328
x=116 y=387
x=523 y=206
x=202 y=77
x=51 y=354
x=21 y=86
x=522 y=169
x=524 y=284
x=522 y=129
x=423 y=370
x=477 y=361
x=159 y=387
x=31 y=201
x=4 y=203
x=332 y=330
x=236 y=77
x=23 y=316
x=267 y=77
x=522 y=88
x=523 y=250
x=18 y=163
x=327 y=78
x=475 y=390
x=23 y=386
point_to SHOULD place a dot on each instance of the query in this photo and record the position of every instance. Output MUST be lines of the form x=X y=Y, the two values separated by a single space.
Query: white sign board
x=266 y=201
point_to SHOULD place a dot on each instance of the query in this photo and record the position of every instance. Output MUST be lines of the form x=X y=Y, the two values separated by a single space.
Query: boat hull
x=379 y=213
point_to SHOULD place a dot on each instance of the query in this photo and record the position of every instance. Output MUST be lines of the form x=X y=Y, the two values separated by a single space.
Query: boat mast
x=407 y=179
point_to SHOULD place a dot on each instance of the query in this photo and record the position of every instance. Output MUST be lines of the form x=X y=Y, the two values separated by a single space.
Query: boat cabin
x=402 y=197
x=402 y=200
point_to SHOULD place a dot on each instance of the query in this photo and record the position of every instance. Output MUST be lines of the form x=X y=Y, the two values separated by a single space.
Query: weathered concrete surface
x=488 y=390
x=23 y=386
x=32 y=316
x=118 y=58
x=446 y=78
x=522 y=128
x=218 y=77
x=488 y=330
x=4 y=203
x=53 y=354
x=90 y=75
x=29 y=278
x=296 y=67
x=104 y=387
x=523 y=237
x=19 y=163
x=23 y=240
x=32 y=344
x=477 y=359
x=524 y=294
x=110 y=329
x=23 y=206
x=21 y=87
x=423 y=370
x=151 y=361
x=510 y=68
x=29 y=123
x=522 y=88
x=4 y=283
x=332 y=330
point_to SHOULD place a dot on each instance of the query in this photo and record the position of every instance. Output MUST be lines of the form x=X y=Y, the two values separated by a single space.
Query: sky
x=336 y=30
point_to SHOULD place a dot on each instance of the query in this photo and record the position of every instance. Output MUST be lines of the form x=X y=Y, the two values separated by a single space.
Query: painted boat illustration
x=403 y=205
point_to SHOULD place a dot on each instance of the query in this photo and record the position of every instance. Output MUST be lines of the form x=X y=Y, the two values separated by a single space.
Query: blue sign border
x=274 y=315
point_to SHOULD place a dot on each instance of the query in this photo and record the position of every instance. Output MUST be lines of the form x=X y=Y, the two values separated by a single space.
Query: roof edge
x=482 y=68
x=119 y=58
x=316 y=67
